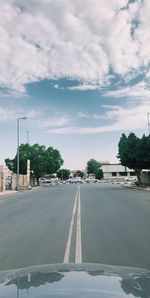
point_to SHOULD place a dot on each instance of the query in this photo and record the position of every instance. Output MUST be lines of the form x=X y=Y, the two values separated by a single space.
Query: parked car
x=131 y=179
x=43 y=180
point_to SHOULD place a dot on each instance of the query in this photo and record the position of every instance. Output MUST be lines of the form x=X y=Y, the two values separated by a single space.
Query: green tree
x=42 y=161
x=24 y=150
x=144 y=152
x=99 y=174
x=63 y=174
x=79 y=173
x=94 y=167
x=53 y=160
x=134 y=153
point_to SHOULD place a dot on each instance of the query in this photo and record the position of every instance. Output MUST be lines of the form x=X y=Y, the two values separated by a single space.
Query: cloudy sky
x=79 y=70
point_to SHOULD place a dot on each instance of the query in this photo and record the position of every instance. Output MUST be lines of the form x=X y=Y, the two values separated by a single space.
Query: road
x=92 y=223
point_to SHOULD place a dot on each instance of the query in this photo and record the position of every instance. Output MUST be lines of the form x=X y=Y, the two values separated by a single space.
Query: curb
x=17 y=192
x=8 y=194
x=136 y=188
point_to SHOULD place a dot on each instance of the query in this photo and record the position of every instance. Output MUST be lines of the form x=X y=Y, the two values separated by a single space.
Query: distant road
x=92 y=223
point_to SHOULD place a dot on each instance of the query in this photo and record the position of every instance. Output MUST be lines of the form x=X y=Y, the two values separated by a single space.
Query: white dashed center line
x=78 y=256
x=78 y=252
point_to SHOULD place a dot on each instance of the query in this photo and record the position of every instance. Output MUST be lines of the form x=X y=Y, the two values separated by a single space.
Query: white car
x=44 y=181
x=131 y=179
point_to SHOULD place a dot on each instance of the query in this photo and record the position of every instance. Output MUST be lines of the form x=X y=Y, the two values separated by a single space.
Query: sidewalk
x=132 y=186
x=13 y=192
x=7 y=193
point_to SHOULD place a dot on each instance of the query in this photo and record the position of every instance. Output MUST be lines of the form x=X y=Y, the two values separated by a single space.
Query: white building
x=116 y=171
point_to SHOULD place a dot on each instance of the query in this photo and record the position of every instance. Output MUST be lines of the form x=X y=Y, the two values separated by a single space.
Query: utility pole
x=27 y=137
x=62 y=176
x=18 y=131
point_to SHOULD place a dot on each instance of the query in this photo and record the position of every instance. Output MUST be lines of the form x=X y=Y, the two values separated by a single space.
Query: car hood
x=73 y=280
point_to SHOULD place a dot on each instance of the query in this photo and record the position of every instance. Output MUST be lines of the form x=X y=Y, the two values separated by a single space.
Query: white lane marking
x=78 y=256
x=67 y=251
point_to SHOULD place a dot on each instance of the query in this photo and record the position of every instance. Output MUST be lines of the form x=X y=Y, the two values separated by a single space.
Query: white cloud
x=56 y=86
x=57 y=120
x=56 y=39
x=89 y=116
x=140 y=90
x=84 y=87
x=83 y=115
x=32 y=114
x=12 y=114
x=129 y=119
x=35 y=116
x=5 y=114
x=80 y=87
x=97 y=116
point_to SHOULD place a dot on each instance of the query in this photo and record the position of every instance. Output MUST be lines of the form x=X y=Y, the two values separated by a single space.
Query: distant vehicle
x=131 y=179
x=91 y=176
x=75 y=180
x=95 y=181
x=87 y=180
x=81 y=181
x=91 y=180
x=43 y=180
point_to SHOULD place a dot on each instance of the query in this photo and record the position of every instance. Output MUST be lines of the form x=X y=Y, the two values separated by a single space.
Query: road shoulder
x=6 y=193
x=131 y=186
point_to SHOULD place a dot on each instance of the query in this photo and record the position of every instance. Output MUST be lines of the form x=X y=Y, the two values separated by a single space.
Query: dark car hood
x=71 y=280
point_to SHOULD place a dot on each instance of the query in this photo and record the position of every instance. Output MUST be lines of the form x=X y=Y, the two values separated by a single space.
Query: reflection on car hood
x=71 y=280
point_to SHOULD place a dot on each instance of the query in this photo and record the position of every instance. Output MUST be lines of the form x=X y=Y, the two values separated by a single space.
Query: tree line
x=134 y=153
x=47 y=161
x=42 y=160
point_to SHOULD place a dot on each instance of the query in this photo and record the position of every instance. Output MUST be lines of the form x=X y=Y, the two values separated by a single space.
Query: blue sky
x=82 y=77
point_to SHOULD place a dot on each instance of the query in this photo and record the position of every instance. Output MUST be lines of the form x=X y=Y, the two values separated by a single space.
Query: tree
x=99 y=174
x=53 y=160
x=94 y=167
x=63 y=174
x=134 y=153
x=79 y=173
x=144 y=152
x=42 y=161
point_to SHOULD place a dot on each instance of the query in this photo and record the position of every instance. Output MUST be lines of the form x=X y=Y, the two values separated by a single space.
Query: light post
x=62 y=176
x=17 y=180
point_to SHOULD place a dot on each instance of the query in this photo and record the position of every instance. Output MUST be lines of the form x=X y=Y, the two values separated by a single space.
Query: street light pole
x=17 y=177
x=62 y=176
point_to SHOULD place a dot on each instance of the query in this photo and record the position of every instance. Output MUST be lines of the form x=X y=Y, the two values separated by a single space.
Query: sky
x=79 y=71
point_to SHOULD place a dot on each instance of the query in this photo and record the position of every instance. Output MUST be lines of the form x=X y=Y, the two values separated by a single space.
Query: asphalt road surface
x=92 y=223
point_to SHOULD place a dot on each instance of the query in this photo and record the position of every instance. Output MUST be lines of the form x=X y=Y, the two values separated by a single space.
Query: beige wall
x=5 y=173
x=23 y=181
x=145 y=178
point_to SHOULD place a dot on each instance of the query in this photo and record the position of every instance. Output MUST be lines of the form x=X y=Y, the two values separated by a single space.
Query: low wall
x=23 y=181
x=10 y=182
x=145 y=178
